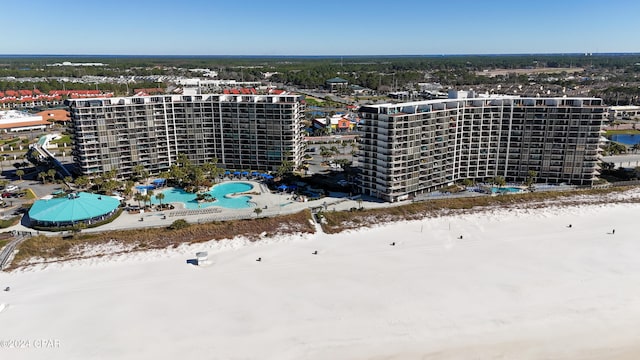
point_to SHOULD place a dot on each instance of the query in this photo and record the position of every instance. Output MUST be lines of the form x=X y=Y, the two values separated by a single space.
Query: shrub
x=179 y=224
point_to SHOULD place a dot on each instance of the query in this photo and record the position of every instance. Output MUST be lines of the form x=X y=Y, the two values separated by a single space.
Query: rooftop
x=73 y=207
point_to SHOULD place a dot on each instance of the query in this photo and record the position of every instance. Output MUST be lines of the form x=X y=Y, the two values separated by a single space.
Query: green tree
x=138 y=197
x=82 y=182
x=257 y=211
x=42 y=176
x=52 y=174
x=160 y=197
x=499 y=181
x=532 y=175
x=20 y=173
x=148 y=197
x=467 y=182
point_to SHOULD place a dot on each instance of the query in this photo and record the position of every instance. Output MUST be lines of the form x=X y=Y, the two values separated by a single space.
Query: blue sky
x=325 y=27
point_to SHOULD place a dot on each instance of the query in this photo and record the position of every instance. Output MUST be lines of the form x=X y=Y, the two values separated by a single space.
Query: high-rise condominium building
x=416 y=147
x=244 y=132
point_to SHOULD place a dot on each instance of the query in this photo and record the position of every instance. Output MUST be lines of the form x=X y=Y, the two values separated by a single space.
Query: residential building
x=415 y=147
x=256 y=132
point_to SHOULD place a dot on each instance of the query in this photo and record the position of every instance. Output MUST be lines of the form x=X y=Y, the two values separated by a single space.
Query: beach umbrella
x=268 y=177
x=236 y=173
x=227 y=172
x=282 y=187
x=245 y=173
x=255 y=173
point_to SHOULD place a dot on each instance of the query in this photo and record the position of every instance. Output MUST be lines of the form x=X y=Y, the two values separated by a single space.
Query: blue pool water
x=627 y=139
x=496 y=189
x=219 y=192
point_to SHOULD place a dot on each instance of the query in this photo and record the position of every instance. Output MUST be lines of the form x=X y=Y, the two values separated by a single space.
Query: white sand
x=519 y=285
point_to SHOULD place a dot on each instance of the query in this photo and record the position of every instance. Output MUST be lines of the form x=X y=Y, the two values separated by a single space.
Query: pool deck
x=271 y=203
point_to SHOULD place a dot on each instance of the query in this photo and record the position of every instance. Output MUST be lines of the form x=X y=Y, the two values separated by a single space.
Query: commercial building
x=243 y=132
x=410 y=148
x=15 y=121
x=625 y=112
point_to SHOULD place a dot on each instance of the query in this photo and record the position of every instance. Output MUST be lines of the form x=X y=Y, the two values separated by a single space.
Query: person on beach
x=393 y=243
x=569 y=226
x=613 y=232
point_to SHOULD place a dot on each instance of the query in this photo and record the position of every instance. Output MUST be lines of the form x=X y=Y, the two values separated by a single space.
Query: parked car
x=11 y=188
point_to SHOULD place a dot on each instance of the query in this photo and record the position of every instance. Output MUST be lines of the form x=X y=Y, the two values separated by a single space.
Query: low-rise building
x=15 y=121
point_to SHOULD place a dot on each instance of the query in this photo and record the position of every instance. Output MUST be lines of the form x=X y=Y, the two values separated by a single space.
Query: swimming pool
x=496 y=189
x=627 y=139
x=219 y=192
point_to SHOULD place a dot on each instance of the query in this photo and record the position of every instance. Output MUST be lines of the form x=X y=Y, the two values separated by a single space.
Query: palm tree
x=138 y=170
x=20 y=173
x=42 y=176
x=258 y=211
x=147 y=198
x=127 y=191
x=138 y=197
x=68 y=180
x=160 y=196
x=531 y=178
x=52 y=174
x=500 y=181
x=98 y=181
x=82 y=181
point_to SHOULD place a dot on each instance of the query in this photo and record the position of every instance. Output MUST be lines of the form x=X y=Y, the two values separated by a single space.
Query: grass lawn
x=64 y=139
x=621 y=132
x=30 y=194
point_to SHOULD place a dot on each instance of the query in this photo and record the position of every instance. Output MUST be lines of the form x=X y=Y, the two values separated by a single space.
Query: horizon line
x=322 y=56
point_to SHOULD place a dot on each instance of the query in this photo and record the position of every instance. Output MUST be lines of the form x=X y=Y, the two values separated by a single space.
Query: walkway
x=8 y=251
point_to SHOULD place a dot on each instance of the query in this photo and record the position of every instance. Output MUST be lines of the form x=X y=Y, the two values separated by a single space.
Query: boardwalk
x=7 y=252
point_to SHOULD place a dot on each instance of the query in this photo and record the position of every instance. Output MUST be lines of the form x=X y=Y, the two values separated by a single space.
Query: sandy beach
x=501 y=284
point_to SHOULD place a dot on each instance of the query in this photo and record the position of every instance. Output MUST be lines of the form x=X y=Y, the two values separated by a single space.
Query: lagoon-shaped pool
x=219 y=192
